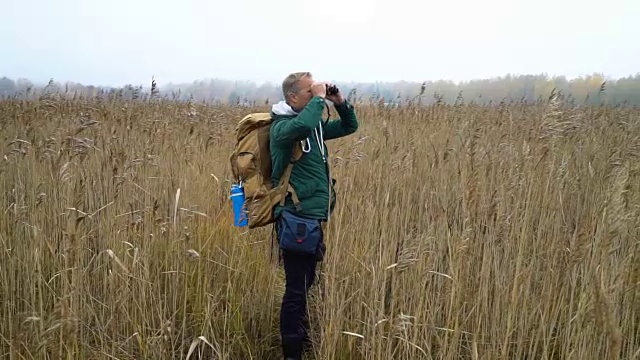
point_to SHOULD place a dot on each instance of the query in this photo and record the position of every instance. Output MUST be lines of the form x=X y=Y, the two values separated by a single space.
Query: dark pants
x=300 y=275
x=300 y=272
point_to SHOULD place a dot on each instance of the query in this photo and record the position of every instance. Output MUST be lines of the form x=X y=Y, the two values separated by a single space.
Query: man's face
x=300 y=99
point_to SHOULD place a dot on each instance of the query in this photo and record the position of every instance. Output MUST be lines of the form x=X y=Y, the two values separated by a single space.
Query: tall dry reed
x=461 y=232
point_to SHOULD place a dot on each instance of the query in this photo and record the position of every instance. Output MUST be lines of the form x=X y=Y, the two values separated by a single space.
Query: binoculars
x=332 y=89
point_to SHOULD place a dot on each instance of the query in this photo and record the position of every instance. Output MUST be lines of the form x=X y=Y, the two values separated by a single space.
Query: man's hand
x=337 y=99
x=319 y=89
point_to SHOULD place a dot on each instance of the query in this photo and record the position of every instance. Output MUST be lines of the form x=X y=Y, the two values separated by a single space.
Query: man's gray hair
x=290 y=83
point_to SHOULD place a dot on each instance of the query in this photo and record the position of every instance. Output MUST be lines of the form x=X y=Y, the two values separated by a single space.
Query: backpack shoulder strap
x=296 y=154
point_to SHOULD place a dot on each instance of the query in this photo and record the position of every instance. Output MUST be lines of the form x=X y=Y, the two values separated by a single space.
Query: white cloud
x=124 y=41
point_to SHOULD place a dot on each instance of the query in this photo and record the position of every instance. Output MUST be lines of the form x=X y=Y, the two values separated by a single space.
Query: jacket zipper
x=320 y=142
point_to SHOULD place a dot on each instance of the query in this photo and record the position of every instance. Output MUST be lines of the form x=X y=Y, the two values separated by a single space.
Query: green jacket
x=310 y=174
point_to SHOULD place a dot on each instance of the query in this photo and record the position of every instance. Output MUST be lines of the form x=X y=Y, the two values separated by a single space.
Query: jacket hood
x=282 y=108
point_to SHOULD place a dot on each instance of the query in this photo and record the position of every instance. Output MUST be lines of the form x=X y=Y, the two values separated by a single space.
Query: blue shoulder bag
x=299 y=234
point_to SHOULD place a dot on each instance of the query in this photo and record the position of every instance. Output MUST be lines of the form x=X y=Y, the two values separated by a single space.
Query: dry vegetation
x=462 y=232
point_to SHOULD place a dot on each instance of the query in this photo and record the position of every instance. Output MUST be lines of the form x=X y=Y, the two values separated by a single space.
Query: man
x=298 y=118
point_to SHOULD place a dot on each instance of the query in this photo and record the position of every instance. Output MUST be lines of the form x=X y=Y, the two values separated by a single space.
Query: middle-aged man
x=298 y=118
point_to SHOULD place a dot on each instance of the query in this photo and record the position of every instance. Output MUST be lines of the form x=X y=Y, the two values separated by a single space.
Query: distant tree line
x=592 y=89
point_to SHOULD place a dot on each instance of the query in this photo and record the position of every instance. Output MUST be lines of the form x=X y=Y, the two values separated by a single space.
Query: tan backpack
x=251 y=168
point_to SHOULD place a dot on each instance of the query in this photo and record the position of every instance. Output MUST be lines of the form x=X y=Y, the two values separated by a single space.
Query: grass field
x=461 y=232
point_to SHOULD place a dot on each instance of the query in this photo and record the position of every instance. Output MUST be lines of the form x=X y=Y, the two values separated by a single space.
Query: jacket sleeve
x=301 y=126
x=346 y=125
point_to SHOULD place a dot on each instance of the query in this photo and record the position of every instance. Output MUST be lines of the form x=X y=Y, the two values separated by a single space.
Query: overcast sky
x=116 y=42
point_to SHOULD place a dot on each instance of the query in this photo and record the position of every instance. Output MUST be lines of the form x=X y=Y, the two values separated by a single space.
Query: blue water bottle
x=240 y=217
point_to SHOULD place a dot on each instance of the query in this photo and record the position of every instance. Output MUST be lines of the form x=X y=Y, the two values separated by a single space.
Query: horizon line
x=276 y=83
